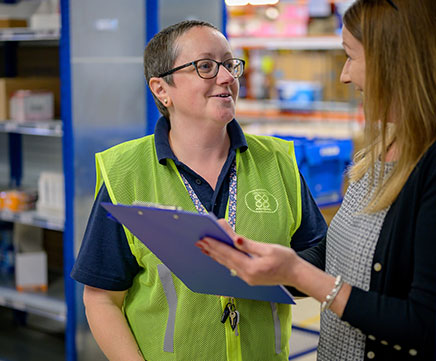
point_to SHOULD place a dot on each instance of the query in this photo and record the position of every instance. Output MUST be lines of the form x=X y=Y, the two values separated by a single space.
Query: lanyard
x=232 y=196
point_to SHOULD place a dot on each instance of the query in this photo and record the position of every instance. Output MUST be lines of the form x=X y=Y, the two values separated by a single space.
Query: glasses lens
x=234 y=66
x=207 y=68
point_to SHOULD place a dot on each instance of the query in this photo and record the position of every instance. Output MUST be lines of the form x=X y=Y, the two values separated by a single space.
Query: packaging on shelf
x=17 y=200
x=324 y=67
x=46 y=16
x=298 y=94
x=13 y=23
x=51 y=195
x=28 y=105
x=8 y=86
x=30 y=258
x=284 y=19
x=45 y=21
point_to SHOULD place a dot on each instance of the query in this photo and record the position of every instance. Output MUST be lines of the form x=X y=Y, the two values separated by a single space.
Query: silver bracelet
x=333 y=293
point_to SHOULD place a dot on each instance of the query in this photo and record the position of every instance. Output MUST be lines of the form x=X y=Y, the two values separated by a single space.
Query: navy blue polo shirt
x=105 y=260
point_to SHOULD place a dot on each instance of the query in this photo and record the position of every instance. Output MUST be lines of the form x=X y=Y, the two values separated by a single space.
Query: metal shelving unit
x=27 y=34
x=51 y=128
x=289 y=43
x=50 y=304
x=33 y=218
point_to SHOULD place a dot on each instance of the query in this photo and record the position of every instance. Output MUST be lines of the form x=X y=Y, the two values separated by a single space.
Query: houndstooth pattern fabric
x=351 y=242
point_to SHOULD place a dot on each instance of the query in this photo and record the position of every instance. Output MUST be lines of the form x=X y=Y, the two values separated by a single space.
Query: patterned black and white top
x=351 y=241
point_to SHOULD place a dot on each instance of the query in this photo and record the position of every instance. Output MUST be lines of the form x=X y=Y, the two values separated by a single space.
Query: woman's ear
x=158 y=88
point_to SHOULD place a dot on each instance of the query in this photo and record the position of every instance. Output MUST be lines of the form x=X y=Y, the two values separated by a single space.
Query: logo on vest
x=261 y=201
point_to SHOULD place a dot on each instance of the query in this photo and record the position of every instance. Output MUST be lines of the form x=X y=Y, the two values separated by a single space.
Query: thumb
x=246 y=245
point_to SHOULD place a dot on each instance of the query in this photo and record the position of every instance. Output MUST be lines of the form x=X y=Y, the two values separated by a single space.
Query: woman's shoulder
x=430 y=154
x=427 y=163
x=130 y=145
x=267 y=141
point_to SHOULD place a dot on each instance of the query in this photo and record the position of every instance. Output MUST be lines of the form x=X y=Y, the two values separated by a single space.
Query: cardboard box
x=30 y=105
x=8 y=86
x=30 y=258
x=324 y=67
x=31 y=271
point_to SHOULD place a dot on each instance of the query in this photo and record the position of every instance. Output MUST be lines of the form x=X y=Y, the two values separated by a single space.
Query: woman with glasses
x=375 y=274
x=198 y=159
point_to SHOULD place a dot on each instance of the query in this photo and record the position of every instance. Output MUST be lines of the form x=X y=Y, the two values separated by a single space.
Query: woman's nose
x=345 y=75
x=224 y=76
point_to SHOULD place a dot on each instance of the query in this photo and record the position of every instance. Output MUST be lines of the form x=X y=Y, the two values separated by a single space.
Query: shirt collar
x=164 y=151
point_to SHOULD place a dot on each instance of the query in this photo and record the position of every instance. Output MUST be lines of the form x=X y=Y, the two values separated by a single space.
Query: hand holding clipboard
x=171 y=235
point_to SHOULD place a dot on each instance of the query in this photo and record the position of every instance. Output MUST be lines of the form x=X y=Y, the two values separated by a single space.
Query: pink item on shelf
x=295 y=12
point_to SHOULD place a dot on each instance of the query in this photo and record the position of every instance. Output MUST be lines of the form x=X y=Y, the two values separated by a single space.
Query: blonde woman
x=375 y=275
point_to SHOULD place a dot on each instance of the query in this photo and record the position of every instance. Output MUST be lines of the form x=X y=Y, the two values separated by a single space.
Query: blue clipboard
x=171 y=235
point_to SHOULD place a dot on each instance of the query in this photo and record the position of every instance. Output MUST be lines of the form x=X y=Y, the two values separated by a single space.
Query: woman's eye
x=205 y=66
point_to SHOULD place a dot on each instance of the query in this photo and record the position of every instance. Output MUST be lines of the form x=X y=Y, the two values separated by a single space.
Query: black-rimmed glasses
x=208 y=68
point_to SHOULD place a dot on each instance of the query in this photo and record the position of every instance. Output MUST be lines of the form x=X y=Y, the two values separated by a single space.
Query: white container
x=31 y=271
x=51 y=194
x=28 y=105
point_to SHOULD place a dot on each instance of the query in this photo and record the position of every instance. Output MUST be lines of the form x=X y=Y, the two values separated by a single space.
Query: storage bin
x=323 y=163
x=324 y=166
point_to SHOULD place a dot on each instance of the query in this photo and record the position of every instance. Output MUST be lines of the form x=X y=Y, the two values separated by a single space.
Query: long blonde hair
x=400 y=85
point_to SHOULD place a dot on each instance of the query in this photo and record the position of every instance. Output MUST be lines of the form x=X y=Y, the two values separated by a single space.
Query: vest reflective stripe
x=171 y=295
x=277 y=328
x=268 y=209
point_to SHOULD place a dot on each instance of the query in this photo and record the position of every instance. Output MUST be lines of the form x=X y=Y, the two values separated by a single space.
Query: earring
x=166 y=101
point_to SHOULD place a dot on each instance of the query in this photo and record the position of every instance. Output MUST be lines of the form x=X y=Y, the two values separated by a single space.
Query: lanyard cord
x=232 y=196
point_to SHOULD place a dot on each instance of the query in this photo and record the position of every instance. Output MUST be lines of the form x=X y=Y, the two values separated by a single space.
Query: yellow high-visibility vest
x=172 y=323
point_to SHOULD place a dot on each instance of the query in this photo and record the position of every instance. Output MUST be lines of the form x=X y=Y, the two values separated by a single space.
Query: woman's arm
x=108 y=324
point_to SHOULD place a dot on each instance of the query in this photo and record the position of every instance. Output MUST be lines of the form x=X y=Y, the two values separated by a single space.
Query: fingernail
x=240 y=241
x=205 y=252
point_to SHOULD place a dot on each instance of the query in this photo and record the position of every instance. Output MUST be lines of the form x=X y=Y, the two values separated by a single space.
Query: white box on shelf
x=45 y=21
x=51 y=194
x=31 y=271
x=46 y=16
x=28 y=105
x=30 y=258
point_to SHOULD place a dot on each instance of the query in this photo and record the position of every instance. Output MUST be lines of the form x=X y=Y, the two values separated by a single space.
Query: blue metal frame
x=224 y=18
x=151 y=28
x=309 y=350
x=15 y=159
x=68 y=164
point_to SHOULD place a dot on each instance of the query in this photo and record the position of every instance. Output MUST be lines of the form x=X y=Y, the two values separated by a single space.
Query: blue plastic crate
x=324 y=166
x=323 y=162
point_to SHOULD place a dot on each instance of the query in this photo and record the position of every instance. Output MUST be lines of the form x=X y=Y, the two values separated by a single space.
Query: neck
x=203 y=149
